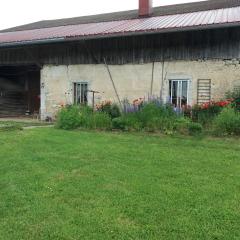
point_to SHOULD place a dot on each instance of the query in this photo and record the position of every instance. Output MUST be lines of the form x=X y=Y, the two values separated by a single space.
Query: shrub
x=181 y=125
x=161 y=124
x=150 y=117
x=69 y=118
x=207 y=112
x=127 y=122
x=73 y=117
x=186 y=127
x=119 y=123
x=227 y=122
x=235 y=97
x=195 y=129
x=157 y=118
x=153 y=124
x=98 y=120
x=115 y=111
x=111 y=109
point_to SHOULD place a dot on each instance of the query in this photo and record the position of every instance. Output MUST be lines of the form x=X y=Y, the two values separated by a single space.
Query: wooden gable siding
x=195 y=45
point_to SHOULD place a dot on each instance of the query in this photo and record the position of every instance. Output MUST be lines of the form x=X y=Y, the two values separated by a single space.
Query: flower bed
x=206 y=112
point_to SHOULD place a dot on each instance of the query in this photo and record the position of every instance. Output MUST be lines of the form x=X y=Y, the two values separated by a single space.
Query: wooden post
x=114 y=87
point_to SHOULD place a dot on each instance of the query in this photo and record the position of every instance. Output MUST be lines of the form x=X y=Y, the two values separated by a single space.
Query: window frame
x=179 y=80
x=75 y=97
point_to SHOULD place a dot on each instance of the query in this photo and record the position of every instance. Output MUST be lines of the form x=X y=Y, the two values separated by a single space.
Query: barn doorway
x=19 y=90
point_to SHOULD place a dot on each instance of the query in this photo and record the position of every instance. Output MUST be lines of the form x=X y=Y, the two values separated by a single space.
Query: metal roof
x=132 y=14
x=177 y=22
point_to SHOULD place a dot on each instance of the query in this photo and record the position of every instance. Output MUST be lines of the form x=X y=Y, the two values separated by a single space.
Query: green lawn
x=56 y=184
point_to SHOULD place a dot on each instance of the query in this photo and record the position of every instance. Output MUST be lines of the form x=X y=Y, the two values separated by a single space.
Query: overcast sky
x=18 y=12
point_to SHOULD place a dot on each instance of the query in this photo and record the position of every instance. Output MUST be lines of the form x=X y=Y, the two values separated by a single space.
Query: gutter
x=120 y=34
x=32 y=42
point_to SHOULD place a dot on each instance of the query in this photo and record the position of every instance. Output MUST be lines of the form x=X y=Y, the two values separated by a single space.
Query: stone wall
x=134 y=81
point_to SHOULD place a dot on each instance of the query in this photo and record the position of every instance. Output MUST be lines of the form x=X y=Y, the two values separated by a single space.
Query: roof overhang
x=117 y=35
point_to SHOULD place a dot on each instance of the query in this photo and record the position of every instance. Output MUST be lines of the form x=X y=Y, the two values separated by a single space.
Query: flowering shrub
x=213 y=104
x=152 y=116
x=105 y=105
x=111 y=109
x=131 y=107
x=206 y=112
x=149 y=117
x=138 y=102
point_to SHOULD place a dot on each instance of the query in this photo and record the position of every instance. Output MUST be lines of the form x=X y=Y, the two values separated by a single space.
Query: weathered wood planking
x=194 y=45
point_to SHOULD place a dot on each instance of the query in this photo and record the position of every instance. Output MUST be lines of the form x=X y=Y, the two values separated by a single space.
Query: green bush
x=112 y=110
x=181 y=125
x=119 y=123
x=153 y=124
x=98 y=120
x=157 y=118
x=73 y=117
x=235 y=96
x=127 y=122
x=194 y=129
x=161 y=124
x=115 y=111
x=186 y=127
x=151 y=118
x=69 y=118
x=205 y=116
x=227 y=122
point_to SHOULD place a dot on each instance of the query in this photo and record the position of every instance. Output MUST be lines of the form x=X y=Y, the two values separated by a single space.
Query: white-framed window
x=80 y=92
x=179 y=92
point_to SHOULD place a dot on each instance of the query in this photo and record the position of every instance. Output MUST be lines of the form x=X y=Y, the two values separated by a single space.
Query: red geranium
x=222 y=104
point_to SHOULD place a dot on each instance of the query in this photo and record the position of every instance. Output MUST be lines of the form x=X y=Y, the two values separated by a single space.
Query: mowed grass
x=56 y=184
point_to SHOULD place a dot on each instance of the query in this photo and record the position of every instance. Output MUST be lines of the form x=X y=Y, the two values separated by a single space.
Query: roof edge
x=128 y=34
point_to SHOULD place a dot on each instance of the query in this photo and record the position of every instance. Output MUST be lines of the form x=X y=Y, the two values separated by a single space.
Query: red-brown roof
x=132 y=14
x=177 y=22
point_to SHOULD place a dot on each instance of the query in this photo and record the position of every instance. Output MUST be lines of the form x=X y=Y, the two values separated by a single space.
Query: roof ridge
x=70 y=25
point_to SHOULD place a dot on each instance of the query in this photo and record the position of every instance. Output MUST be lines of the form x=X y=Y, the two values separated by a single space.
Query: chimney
x=145 y=8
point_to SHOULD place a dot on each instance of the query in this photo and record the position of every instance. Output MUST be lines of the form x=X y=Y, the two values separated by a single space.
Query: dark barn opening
x=19 y=90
